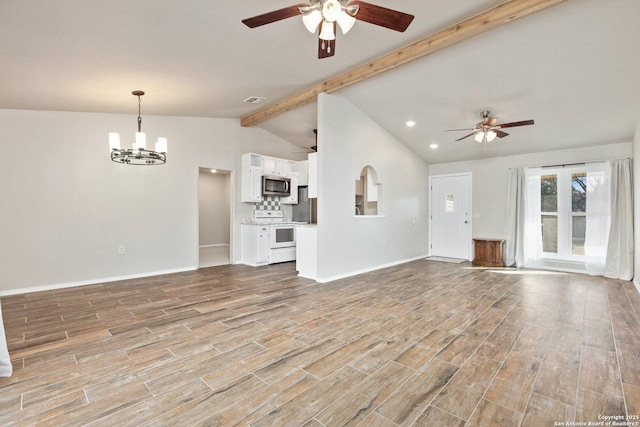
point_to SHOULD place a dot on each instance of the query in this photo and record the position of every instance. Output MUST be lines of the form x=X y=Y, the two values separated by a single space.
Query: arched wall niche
x=367 y=199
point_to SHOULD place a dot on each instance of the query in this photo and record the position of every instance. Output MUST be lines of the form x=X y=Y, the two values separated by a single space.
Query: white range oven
x=282 y=235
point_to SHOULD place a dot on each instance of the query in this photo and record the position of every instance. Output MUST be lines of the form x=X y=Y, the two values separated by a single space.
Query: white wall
x=214 y=197
x=66 y=207
x=490 y=180
x=348 y=140
x=636 y=203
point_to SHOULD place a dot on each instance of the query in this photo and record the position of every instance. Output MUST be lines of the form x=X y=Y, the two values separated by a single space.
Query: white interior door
x=451 y=216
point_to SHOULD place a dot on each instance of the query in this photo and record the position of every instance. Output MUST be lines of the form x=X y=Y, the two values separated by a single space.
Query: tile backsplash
x=269 y=203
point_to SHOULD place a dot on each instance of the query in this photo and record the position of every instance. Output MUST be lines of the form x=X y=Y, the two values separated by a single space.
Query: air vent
x=254 y=99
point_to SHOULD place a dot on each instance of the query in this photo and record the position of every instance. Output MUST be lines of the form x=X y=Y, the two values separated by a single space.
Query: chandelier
x=138 y=154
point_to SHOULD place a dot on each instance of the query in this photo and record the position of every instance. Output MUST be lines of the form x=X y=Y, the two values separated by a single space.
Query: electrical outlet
x=121 y=250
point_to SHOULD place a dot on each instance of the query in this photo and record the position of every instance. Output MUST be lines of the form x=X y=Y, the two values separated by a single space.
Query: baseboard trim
x=368 y=269
x=214 y=246
x=57 y=286
x=637 y=285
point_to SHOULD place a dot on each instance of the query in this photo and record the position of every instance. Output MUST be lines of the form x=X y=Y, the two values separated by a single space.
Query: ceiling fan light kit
x=486 y=136
x=312 y=19
x=324 y=15
x=326 y=31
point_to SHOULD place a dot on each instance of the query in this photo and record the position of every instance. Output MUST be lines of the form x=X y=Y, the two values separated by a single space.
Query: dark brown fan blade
x=465 y=137
x=500 y=134
x=514 y=124
x=382 y=16
x=326 y=48
x=276 y=15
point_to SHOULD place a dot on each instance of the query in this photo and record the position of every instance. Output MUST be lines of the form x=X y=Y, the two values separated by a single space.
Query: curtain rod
x=579 y=163
x=566 y=164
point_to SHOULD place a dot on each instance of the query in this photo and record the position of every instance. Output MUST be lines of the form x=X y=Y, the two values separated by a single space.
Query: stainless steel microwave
x=276 y=186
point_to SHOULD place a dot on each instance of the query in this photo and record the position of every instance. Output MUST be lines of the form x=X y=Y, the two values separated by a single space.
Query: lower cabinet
x=256 y=246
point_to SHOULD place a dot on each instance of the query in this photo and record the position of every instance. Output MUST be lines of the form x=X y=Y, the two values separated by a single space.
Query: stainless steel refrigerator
x=305 y=210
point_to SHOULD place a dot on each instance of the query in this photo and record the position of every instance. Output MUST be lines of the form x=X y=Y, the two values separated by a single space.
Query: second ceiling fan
x=326 y=15
x=489 y=128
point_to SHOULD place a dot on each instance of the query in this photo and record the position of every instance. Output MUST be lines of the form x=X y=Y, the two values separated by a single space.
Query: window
x=578 y=212
x=563 y=202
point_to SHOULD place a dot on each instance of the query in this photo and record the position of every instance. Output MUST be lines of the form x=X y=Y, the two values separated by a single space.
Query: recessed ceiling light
x=410 y=123
x=433 y=146
x=213 y=171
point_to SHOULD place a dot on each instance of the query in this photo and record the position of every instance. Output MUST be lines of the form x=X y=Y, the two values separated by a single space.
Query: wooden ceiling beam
x=491 y=19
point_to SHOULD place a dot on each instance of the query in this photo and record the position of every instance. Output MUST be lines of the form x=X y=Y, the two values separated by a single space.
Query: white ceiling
x=574 y=68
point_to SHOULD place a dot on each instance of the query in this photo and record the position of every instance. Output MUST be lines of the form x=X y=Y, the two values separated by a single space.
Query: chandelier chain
x=139 y=115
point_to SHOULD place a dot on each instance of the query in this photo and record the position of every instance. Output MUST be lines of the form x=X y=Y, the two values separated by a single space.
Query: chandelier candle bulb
x=141 y=141
x=114 y=141
x=161 y=145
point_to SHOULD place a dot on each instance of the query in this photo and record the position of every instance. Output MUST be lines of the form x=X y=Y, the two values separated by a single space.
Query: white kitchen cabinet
x=301 y=169
x=293 y=198
x=256 y=247
x=251 y=179
x=274 y=166
x=252 y=184
x=312 y=181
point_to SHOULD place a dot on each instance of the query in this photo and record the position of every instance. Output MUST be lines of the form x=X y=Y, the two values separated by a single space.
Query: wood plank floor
x=425 y=343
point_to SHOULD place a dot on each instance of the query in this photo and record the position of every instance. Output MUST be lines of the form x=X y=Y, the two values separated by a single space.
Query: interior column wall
x=349 y=140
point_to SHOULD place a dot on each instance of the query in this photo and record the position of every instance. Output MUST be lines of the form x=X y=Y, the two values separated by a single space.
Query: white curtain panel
x=598 y=218
x=532 y=242
x=619 y=257
x=5 y=363
x=514 y=248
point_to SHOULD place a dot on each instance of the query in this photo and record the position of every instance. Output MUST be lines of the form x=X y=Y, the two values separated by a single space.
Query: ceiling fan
x=487 y=130
x=326 y=15
x=313 y=148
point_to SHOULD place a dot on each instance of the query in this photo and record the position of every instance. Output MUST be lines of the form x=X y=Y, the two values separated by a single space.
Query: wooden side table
x=488 y=252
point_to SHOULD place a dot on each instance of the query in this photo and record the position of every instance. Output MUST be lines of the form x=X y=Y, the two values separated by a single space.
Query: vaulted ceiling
x=574 y=68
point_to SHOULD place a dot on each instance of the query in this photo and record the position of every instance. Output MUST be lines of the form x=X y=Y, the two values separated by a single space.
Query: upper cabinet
x=254 y=166
x=251 y=178
x=275 y=167
x=302 y=168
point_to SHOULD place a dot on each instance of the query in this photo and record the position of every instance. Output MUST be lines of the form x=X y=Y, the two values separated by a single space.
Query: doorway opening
x=214 y=217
